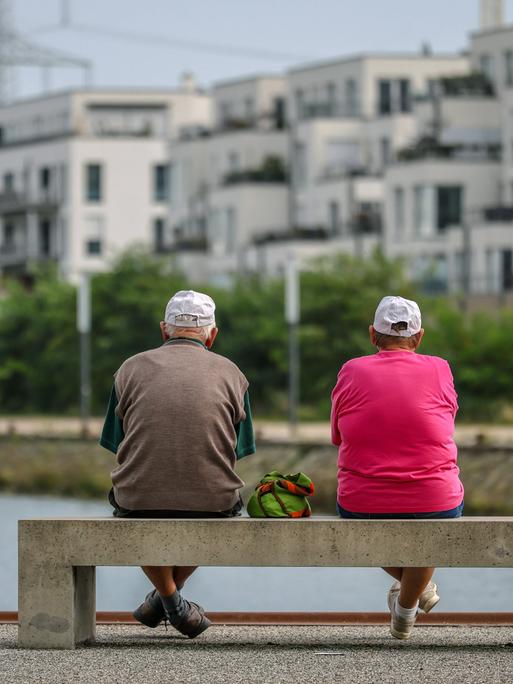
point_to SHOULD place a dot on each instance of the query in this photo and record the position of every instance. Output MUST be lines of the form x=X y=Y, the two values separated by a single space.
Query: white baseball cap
x=397 y=316
x=189 y=309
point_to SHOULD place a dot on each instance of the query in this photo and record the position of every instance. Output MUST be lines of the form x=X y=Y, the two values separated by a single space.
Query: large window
x=334 y=217
x=93 y=188
x=385 y=97
x=159 y=234
x=161 y=182
x=404 y=95
x=45 y=244
x=486 y=66
x=351 y=92
x=423 y=210
x=94 y=230
x=449 y=206
x=508 y=67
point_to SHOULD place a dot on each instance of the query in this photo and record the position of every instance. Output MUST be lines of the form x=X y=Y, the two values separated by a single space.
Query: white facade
x=84 y=175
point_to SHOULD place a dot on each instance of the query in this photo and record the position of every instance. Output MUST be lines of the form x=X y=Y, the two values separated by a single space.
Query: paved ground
x=270 y=655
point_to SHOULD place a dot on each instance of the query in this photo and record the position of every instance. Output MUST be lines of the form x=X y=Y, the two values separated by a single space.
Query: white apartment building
x=412 y=153
x=84 y=175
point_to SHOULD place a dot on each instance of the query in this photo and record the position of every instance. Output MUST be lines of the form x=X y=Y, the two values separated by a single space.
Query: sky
x=269 y=35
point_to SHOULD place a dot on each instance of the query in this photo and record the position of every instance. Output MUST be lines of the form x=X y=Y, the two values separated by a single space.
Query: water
x=246 y=589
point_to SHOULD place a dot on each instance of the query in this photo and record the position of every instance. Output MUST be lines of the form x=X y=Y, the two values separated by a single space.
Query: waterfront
x=247 y=589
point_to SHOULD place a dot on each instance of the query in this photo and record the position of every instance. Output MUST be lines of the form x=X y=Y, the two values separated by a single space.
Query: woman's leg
x=413 y=582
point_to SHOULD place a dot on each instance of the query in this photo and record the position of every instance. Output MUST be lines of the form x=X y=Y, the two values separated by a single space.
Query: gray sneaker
x=193 y=623
x=400 y=627
x=427 y=600
x=151 y=611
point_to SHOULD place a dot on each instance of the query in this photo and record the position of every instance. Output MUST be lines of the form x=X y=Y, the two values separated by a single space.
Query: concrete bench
x=58 y=556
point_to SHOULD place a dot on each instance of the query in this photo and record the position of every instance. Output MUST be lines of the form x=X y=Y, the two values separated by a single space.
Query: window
x=9 y=239
x=404 y=95
x=342 y=155
x=279 y=108
x=351 y=91
x=507 y=269
x=93 y=183
x=487 y=67
x=44 y=178
x=449 y=206
x=331 y=99
x=161 y=182
x=385 y=97
x=508 y=67
x=159 y=235
x=233 y=162
x=399 y=211
x=334 y=218
x=249 y=109
x=386 y=156
x=423 y=209
x=300 y=103
x=94 y=229
x=300 y=164
x=8 y=182
x=45 y=237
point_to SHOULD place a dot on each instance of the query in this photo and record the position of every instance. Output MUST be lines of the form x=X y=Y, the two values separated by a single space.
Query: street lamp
x=292 y=316
x=84 y=330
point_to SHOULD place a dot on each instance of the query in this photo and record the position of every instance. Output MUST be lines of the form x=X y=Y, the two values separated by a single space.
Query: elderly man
x=178 y=419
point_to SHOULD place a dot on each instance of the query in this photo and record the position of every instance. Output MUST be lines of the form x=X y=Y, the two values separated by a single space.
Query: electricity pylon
x=16 y=50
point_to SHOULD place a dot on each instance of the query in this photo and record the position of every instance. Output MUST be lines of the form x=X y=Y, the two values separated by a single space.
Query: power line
x=176 y=42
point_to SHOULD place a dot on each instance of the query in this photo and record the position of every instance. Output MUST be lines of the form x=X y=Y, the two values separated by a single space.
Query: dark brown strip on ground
x=321 y=618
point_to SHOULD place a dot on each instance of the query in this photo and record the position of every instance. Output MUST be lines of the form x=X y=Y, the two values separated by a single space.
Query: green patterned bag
x=281 y=496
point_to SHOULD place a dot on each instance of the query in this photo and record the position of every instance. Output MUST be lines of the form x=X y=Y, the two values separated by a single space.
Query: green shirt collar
x=186 y=339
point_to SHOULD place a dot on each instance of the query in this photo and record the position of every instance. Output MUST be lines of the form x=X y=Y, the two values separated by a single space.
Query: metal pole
x=292 y=316
x=84 y=329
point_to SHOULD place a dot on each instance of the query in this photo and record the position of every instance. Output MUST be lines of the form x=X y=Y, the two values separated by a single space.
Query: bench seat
x=58 y=556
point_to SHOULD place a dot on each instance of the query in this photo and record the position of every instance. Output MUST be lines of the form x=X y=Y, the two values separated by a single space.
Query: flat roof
x=375 y=56
x=248 y=79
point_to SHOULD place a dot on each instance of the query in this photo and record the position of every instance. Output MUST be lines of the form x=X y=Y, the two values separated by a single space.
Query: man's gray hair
x=199 y=333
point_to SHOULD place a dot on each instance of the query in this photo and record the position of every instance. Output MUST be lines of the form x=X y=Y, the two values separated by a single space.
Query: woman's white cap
x=190 y=309
x=397 y=316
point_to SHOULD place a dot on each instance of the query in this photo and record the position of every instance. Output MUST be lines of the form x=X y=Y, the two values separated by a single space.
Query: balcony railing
x=12 y=201
x=429 y=148
x=498 y=214
x=272 y=170
x=296 y=233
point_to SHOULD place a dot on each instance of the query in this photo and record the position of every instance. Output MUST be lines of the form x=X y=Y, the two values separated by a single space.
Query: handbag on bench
x=281 y=496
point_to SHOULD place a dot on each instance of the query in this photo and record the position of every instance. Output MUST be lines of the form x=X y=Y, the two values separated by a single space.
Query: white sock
x=406 y=613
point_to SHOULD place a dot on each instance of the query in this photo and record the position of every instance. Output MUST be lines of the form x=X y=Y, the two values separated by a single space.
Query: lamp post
x=84 y=330
x=292 y=316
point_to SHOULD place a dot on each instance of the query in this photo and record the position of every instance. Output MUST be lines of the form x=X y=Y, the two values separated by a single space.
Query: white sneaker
x=427 y=600
x=401 y=627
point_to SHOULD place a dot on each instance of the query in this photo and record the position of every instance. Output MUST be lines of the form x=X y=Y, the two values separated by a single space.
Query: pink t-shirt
x=393 y=418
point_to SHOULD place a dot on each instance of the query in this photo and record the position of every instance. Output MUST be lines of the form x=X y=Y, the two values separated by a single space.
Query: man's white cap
x=189 y=309
x=397 y=316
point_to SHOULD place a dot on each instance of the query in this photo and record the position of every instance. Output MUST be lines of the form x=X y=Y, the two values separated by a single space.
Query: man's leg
x=166 y=579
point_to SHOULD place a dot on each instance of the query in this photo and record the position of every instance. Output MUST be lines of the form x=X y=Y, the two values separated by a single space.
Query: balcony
x=431 y=148
x=329 y=110
x=189 y=244
x=291 y=234
x=272 y=170
x=498 y=214
x=13 y=202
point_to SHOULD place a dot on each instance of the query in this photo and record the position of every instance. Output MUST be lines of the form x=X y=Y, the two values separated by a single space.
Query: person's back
x=395 y=410
x=180 y=404
x=393 y=420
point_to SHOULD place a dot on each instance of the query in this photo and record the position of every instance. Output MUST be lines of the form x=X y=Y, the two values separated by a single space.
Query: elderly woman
x=393 y=419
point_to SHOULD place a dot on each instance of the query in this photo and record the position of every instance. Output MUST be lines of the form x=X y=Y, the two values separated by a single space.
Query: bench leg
x=56 y=605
